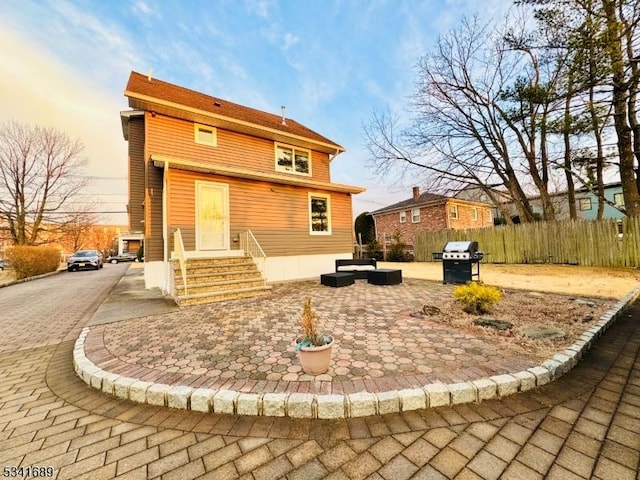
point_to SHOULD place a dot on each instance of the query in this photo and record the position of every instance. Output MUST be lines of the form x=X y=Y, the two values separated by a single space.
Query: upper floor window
x=585 y=204
x=474 y=214
x=205 y=135
x=415 y=215
x=453 y=212
x=293 y=160
x=618 y=199
x=319 y=214
x=403 y=217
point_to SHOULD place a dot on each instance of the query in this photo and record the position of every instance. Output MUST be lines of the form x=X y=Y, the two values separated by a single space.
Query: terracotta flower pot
x=315 y=360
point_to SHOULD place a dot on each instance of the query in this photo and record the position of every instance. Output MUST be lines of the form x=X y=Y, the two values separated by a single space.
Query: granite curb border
x=334 y=406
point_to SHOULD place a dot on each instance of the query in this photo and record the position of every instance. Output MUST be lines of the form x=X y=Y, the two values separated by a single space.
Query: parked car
x=125 y=257
x=4 y=264
x=84 y=259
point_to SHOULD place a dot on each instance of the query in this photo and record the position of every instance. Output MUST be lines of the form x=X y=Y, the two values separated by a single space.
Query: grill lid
x=460 y=247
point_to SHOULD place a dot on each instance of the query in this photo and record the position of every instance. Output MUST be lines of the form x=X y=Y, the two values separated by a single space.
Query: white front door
x=212 y=216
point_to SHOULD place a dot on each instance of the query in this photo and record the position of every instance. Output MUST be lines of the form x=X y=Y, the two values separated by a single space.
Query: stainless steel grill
x=458 y=261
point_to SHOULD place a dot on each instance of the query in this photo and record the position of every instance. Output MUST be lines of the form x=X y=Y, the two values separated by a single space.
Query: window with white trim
x=293 y=160
x=403 y=217
x=415 y=215
x=474 y=214
x=205 y=135
x=453 y=212
x=618 y=199
x=319 y=214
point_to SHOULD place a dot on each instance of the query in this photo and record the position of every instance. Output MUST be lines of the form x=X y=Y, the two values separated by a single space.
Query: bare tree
x=481 y=110
x=76 y=232
x=610 y=32
x=104 y=238
x=40 y=170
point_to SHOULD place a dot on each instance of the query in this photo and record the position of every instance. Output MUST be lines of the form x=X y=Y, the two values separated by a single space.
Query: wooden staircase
x=217 y=279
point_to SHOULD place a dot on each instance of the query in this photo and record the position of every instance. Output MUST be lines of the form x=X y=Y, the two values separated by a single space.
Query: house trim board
x=206 y=167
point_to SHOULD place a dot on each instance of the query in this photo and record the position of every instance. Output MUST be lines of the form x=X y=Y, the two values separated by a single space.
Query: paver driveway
x=584 y=426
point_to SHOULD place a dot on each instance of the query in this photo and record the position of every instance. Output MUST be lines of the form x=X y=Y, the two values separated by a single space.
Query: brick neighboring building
x=431 y=212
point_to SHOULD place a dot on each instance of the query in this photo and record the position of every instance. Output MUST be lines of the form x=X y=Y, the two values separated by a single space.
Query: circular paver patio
x=247 y=345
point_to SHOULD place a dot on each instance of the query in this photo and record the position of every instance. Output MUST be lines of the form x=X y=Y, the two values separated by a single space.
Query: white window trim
x=474 y=214
x=453 y=212
x=293 y=172
x=413 y=216
x=213 y=130
x=328 y=199
x=403 y=216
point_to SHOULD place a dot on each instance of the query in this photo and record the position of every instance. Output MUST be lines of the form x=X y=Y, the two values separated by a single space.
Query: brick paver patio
x=247 y=345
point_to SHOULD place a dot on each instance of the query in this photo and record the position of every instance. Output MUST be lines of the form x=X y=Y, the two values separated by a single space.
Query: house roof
x=422 y=200
x=152 y=94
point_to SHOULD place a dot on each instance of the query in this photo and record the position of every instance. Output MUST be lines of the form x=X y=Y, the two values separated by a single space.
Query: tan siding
x=136 y=174
x=278 y=215
x=154 y=243
x=188 y=237
x=170 y=136
x=299 y=242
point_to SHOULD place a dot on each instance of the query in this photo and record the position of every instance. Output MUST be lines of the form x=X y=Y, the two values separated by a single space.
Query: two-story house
x=429 y=212
x=232 y=180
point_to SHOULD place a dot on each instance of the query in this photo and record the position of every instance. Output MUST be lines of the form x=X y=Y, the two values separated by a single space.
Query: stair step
x=220 y=276
x=221 y=286
x=209 y=297
x=207 y=262
x=221 y=267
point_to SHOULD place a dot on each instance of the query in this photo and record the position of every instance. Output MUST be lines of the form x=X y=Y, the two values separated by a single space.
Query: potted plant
x=314 y=348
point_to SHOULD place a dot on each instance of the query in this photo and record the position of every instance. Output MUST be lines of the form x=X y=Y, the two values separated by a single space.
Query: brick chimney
x=416 y=193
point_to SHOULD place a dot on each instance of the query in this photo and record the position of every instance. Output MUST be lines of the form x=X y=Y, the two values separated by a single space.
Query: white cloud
x=142 y=8
x=260 y=8
x=289 y=40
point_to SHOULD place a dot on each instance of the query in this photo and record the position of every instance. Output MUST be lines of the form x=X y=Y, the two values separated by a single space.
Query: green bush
x=374 y=250
x=397 y=249
x=477 y=298
x=31 y=261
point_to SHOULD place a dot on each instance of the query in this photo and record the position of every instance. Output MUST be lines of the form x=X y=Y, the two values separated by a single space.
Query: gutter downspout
x=165 y=229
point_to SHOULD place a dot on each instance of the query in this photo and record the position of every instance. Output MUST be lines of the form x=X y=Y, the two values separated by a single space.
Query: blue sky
x=331 y=63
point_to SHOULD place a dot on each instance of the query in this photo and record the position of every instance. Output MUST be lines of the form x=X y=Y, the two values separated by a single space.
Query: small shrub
x=30 y=261
x=374 y=250
x=477 y=298
x=397 y=248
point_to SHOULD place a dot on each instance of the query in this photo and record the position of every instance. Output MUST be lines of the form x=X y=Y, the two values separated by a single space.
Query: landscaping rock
x=430 y=310
x=588 y=303
x=543 y=332
x=536 y=294
x=493 y=323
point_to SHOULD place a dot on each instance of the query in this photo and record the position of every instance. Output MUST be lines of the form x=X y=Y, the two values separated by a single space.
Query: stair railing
x=178 y=245
x=250 y=245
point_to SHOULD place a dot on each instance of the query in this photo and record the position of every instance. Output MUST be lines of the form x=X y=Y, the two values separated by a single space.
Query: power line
x=97 y=177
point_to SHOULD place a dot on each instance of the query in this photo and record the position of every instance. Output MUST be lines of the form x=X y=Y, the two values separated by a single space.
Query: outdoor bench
x=358 y=266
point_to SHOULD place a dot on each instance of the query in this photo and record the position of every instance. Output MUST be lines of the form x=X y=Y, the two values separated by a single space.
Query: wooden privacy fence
x=607 y=243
